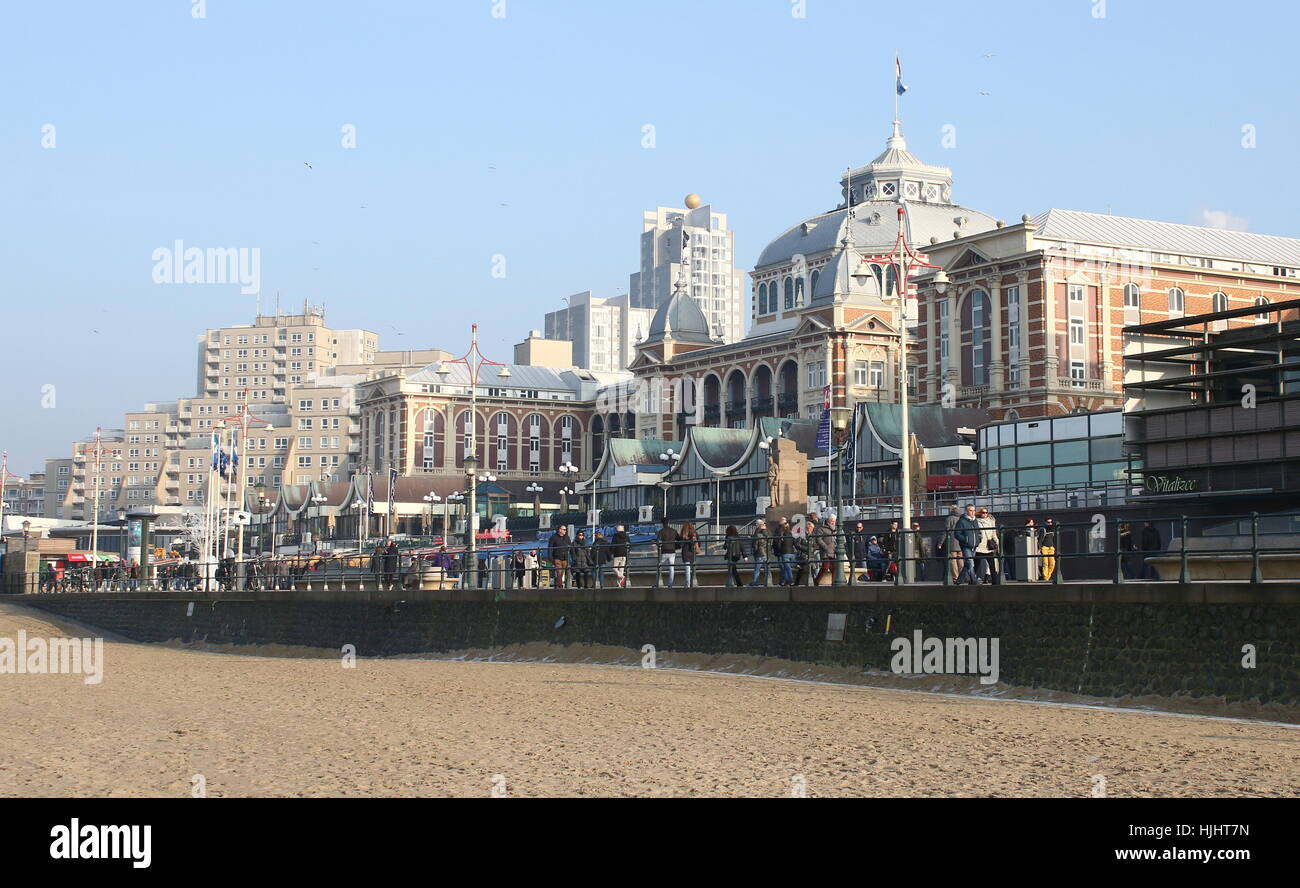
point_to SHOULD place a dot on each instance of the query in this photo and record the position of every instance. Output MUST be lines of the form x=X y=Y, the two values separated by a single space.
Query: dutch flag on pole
x=898 y=77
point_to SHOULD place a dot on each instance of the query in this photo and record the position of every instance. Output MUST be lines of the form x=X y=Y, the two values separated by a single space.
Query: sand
x=306 y=726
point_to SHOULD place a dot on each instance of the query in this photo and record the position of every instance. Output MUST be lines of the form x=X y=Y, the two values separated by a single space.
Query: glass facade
x=1081 y=450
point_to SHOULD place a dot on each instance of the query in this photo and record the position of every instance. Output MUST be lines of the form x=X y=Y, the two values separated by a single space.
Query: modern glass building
x=1081 y=450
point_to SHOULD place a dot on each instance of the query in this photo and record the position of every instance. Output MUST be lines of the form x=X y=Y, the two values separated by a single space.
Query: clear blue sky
x=170 y=127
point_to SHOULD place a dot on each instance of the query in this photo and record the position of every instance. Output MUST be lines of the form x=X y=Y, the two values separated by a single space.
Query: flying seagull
x=306 y=164
x=988 y=55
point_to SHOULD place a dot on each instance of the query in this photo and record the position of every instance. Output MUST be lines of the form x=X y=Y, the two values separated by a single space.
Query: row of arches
x=502 y=441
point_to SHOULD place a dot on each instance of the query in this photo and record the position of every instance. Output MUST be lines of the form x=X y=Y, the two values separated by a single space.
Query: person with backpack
x=666 y=542
x=619 y=547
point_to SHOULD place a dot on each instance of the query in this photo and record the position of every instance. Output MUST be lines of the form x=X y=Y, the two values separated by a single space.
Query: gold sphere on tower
x=693 y=201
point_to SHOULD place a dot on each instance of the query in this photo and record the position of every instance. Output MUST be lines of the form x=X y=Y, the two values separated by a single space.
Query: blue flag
x=824 y=430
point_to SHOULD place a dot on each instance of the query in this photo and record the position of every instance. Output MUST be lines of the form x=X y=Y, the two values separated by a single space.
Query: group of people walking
x=579 y=561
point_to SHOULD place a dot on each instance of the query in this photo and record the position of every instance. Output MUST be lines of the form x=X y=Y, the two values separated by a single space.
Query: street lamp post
x=570 y=473
x=906 y=261
x=318 y=501
x=718 y=475
x=839 y=423
x=536 y=490
x=474 y=362
x=670 y=458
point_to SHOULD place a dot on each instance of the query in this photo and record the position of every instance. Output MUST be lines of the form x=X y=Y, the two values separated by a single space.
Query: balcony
x=1090 y=385
x=712 y=413
x=972 y=391
x=761 y=406
x=735 y=409
x=788 y=403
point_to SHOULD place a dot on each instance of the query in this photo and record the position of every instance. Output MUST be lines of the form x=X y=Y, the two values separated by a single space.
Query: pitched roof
x=1167 y=237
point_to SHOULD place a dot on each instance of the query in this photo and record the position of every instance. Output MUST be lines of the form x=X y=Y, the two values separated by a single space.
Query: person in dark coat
x=557 y=549
x=967 y=533
x=391 y=559
x=858 y=549
x=667 y=542
x=580 y=561
x=599 y=558
x=734 y=551
x=783 y=547
x=1149 y=543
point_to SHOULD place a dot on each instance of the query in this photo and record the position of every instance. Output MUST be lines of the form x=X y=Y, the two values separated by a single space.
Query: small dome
x=681 y=320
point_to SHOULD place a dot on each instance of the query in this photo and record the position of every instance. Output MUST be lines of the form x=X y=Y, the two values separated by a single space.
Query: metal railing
x=1172 y=549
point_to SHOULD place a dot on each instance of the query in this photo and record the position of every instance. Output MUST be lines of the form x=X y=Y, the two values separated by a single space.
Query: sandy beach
x=285 y=726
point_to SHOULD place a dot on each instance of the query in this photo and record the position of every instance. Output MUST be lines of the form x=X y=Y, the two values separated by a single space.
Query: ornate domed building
x=824 y=323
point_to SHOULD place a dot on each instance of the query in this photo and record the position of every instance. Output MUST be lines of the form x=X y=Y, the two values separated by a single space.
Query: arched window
x=535 y=429
x=1132 y=296
x=1176 y=300
x=977 y=344
x=891 y=282
x=762 y=298
x=431 y=456
x=1013 y=415
x=789 y=292
x=1219 y=302
x=1261 y=303
x=813 y=281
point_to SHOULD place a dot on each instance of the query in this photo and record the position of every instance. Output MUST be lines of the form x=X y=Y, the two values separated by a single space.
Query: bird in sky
x=984 y=92
x=988 y=55
x=306 y=164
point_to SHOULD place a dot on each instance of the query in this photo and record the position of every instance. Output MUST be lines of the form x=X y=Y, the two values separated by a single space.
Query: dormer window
x=931 y=192
x=868 y=192
x=911 y=189
x=888 y=189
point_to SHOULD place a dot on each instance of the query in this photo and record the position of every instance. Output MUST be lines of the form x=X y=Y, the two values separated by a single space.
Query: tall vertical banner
x=392 y=499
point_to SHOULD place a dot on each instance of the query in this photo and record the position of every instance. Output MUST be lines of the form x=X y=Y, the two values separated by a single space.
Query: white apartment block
x=259 y=361
x=716 y=283
x=604 y=331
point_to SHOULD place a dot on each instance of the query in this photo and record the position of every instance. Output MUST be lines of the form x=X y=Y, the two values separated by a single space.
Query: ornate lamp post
x=429 y=500
x=474 y=362
x=906 y=260
x=318 y=501
x=570 y=473
x=670 y=458
x=536 y=490
x=840 y=417
x=456 y=497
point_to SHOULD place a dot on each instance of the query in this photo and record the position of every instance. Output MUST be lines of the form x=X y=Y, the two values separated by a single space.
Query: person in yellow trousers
x=1047 y=549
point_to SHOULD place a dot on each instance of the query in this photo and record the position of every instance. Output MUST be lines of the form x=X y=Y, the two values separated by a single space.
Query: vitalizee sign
x=1170 y=484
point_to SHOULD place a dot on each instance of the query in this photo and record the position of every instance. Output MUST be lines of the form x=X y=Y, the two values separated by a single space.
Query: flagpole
x=94 y=517
x=225 y=523
x=243 y=479
x=830 y=401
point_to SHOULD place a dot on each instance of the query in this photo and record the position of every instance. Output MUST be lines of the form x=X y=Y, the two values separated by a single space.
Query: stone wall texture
x=1104 y=643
